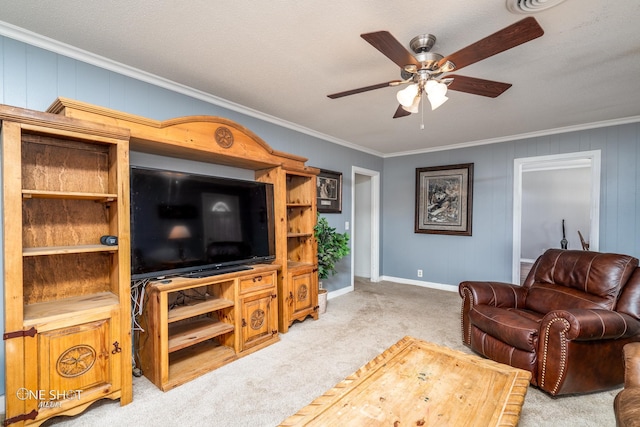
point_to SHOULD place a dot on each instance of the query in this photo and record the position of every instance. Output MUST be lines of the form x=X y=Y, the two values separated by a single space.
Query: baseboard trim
x=339 y=292
x=402 y=281
x=432 y=285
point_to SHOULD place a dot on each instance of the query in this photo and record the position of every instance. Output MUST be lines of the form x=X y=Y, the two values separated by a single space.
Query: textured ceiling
x=282 y=58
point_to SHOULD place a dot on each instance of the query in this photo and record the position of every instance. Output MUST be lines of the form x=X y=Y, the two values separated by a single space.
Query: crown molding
x=55 y=46
x=536 y=134
x=38 y=40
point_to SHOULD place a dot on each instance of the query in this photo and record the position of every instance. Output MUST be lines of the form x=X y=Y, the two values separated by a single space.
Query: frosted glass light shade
x=437 y=101
x=436 y=88
x=415 y=107
x=407 y=96
x=436 y=92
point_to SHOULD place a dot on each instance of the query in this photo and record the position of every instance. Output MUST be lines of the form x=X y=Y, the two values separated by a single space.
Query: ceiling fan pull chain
x=422 y=112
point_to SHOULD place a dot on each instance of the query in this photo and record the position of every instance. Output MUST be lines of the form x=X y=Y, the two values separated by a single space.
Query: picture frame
x=329 y=191
x=444 y=199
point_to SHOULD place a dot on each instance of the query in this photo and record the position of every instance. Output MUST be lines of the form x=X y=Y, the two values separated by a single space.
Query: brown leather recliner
x=567 y=324
x=627 y=403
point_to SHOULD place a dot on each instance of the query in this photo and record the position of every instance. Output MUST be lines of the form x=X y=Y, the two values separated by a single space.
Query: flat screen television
x=198 y=225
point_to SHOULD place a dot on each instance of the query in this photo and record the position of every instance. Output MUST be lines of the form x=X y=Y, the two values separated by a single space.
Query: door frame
x=375 y=221
x=549 y=162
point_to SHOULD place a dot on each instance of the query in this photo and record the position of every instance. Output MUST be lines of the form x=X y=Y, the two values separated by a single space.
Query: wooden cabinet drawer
x=258 y=281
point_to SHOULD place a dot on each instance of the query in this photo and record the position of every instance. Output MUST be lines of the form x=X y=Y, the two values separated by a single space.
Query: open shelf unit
x=65 y=185
x=297 y=250
x=193 y=325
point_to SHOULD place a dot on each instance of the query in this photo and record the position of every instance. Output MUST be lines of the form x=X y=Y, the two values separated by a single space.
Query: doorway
x=568 y=181
x=365 y=221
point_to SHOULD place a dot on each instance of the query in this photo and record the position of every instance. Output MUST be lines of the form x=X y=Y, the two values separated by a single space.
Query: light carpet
x=266 y=387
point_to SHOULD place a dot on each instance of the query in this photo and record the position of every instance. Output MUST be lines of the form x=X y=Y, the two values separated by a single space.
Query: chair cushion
x=546 y=297
x=511 y=326
x=577 y=279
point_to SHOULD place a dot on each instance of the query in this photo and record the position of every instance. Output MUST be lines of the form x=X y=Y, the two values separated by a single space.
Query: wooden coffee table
x=416 y=383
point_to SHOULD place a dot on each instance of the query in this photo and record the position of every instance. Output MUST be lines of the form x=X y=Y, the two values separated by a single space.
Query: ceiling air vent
x=530 y=6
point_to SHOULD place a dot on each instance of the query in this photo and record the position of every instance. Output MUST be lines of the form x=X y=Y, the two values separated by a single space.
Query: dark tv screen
x=187 y=224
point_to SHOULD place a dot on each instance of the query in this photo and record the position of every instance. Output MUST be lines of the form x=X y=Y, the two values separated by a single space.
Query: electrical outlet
x=419 y=273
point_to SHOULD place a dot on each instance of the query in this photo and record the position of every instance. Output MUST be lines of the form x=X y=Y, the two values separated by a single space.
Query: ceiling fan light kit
x=423 y=70
x=409 y=97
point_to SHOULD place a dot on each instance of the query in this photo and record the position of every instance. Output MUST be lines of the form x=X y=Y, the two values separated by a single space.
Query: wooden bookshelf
x=65 y=185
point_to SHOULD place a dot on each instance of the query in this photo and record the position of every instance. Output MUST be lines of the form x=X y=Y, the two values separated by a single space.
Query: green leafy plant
x=332 y=247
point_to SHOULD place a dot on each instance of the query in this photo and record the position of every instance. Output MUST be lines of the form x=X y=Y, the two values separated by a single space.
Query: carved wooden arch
x=202 y=138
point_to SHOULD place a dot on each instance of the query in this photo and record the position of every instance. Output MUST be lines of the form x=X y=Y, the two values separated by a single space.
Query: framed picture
x=329 y=191
x=444 y=199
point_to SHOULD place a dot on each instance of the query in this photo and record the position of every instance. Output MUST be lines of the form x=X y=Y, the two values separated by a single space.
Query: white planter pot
x=322 y=301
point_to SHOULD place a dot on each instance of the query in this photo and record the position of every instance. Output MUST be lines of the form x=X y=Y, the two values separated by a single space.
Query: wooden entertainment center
x=195 y=325
x=67 y=296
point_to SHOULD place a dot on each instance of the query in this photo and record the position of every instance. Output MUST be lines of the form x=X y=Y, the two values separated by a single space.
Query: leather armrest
x=590 y=324
x=632 y=365
x=497 y=294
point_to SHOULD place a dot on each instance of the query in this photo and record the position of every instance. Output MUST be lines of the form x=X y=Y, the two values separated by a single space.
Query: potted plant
x=332 y=247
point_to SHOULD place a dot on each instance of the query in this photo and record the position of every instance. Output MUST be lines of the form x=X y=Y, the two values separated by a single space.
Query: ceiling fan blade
x=391 y=48
x=401 y=112
x=477 y=86
x=507 y=38
x=364 y=89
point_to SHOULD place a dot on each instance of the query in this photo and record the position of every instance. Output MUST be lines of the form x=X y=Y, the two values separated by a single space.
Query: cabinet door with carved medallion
x=258 y=324
x=77 y=364
x=259 y=319
x=303 y=293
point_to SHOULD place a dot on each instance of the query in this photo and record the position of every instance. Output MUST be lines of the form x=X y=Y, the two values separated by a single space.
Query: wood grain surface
x=419 y=383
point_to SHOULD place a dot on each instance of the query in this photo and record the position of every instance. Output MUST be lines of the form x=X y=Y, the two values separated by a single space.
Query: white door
x=548 y=189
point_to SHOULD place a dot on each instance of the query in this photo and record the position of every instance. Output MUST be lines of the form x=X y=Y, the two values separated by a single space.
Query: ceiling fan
x=423 y=72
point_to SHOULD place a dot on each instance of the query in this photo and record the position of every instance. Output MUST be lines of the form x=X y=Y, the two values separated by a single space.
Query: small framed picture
x=444 y=199
x=329 y=191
